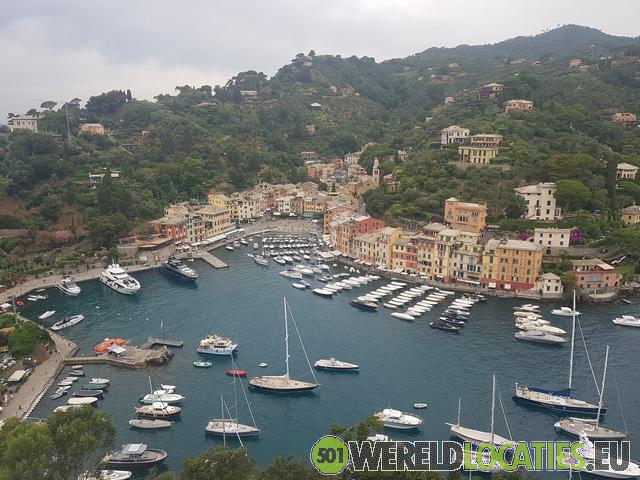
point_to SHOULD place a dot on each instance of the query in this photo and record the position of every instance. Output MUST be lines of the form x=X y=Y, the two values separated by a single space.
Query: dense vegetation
x=21 y=337
x=179 y=146
x=70 y=442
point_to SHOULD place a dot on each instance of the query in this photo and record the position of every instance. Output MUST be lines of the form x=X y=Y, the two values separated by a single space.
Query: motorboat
x=82 y=401
x=538 y=336
x=323 y=292
x=135 y=455
x=287 y=259
x=420 y=406
x=299 y=286
x=396 y=419
x=177 y=269
x=76 y=372
x=158 y=410
x=95 y=386
x=66 y=408
x=216 y=345
x=540 y=327
x=452 y=321
x=627 y=321
x=447 y=327
x=69 y=287
x=379 y=437
x=565 y=312
x=403 y=316
x=333 y=364
x=291 y=274
x=243 y=242
x=47 y=314
x=528 y=307
x=364 y=305
x=390 y=306
x=526 y=314
x=67 y=322
x=100 y=380
x=588 y=451
x=117 y=279
x=202 y=364
x=149 y=424
x=279 y=260
x=106 y=475
x=88 y=393
x=229 y=247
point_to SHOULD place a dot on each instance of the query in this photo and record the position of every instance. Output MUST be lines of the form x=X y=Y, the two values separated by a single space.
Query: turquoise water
x=400 y=363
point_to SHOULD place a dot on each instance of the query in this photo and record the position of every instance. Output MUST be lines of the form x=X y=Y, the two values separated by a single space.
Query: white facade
x=553 y=240
x=549 y=285
x=23 y=122
x=453 y=134
x=541 y=202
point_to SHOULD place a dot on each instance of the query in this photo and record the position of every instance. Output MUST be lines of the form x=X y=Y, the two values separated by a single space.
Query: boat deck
x=152 y=342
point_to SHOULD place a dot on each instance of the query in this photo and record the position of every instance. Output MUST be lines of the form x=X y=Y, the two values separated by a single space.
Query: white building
x=541 y=202
x=453 y=134
x=549 y=285
x=352 y=158
x=23 y=122
x=553 y=240
x=285 y=204
x=626 y=171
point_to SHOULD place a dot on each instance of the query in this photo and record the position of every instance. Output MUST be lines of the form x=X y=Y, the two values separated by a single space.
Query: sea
x=401 y=363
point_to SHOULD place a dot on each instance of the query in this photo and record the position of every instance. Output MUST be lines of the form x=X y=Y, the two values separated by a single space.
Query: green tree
x=572 y=194
x=288 y=469
x=219 y=463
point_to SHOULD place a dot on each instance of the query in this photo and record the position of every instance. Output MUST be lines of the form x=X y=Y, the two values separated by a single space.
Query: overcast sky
x=77 y=48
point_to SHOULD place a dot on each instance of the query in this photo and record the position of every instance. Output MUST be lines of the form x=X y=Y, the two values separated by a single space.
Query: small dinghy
x=420 y=406
x=262 y=365
x=47 y=314
x=202 y=364
x=236 y=373
x=88 y=393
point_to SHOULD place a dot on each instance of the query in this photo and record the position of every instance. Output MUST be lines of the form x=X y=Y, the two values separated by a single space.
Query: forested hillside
x=182 y=144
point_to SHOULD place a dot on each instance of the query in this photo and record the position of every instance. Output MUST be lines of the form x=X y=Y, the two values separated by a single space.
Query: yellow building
x=384 y=245
x=472 y=154
x=631 y=215
x=217 y=199
x=511 y=264
x=92 y=128
x=468 y=217
x=216 y=220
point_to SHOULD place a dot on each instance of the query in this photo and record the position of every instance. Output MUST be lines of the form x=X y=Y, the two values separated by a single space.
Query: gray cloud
x=67 y=48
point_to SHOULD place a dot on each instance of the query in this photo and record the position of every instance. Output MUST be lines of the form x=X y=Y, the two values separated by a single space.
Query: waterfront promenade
x=21 y=403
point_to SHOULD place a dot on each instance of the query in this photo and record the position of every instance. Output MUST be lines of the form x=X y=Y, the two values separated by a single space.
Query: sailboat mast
x=286 y=336
x=459 y=409
x=604 y=377
x=150 y=386
x=573 y=334
x=493 y=404
x=224 y=430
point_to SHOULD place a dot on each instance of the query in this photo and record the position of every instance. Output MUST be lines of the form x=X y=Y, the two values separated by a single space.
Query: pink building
x=595 y=274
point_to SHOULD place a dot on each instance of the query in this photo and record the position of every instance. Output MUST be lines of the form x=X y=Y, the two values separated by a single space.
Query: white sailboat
x=477 y=437
x=560 y=400
x=230 y=426
x=591 y=427
x=283 y=383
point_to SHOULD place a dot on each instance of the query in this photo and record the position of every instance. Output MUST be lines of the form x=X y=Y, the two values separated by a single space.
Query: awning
x=17 y=376
x=336 y=253
x=470 y=282
x=492 y=285
x=325 y=255
x=117 y=349
x=507 y=286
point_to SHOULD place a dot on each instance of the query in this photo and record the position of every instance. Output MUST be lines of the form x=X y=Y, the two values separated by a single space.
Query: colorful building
x=541 y=201
x=490 y=90
x=468 y=217
x=478 y=155
x=624 y=117
x=518 y=105
x=510 y=264
x=630 y=215
x=595 y=274
x=453 y=134
x=216 y=220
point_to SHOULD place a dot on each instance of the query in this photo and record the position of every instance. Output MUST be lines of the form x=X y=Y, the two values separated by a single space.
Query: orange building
x=511 y=264
x=517 y=104
x=468 y=217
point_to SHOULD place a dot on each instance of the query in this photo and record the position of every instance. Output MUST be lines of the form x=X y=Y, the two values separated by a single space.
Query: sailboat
x=476 y=437
x=560 y=400
x=590 y=427
x=284 y=383
x=261 y=259
x=230 y=426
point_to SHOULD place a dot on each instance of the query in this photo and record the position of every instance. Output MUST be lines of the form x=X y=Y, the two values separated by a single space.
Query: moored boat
x=396 y=419
x=116 y=278
x=135 y=455
x=565 y=312
x=216 y=345
x=69 y=287
x=333 y=364
x=47 y=314
x=149 y=424
x=67 y=322
x=106 y=475
x=82 y=401
x=202 y=364
x=158 y=410
x=627 y=321
x=538 y=336
x=177 y=269
x=364 y=305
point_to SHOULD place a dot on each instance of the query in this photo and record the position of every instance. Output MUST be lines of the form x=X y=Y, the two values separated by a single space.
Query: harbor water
x=400 y=363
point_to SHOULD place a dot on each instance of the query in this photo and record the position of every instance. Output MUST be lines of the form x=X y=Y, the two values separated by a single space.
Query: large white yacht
x=116 y=278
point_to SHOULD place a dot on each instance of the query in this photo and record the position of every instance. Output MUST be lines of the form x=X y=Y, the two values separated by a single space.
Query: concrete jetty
x=135 y=357
x=212 y=260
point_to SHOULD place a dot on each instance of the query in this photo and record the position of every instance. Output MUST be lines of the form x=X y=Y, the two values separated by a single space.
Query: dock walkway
x=152 y=342
x=212 y=260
